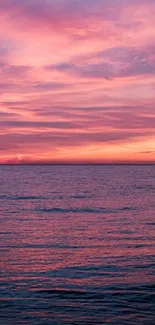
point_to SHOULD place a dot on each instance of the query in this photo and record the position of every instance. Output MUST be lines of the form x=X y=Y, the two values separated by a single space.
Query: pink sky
x=77 y=81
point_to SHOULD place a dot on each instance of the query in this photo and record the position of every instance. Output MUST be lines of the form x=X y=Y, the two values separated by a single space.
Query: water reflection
x=78 y=246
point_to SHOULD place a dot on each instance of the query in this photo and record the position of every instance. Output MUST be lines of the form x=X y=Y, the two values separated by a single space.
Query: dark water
x=77 y=245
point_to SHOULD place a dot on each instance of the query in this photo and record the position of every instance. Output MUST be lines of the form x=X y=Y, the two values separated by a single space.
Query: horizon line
x=76 y=164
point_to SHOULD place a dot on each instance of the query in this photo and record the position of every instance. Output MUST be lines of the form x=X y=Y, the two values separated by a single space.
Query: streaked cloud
x=77 y=80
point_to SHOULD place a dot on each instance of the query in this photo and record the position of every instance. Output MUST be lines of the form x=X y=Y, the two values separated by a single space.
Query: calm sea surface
x=77 y=245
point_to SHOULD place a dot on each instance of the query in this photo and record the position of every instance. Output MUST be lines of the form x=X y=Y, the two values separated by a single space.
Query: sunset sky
x=77 y=81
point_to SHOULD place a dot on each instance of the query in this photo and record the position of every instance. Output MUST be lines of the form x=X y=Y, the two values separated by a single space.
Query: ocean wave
x=138 y=293
x=84 y=210
x=29 y=197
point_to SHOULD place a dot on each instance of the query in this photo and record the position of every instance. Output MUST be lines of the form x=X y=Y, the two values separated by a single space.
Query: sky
x=77 y=81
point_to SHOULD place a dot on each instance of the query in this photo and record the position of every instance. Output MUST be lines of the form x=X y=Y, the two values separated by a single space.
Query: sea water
x=77 y=245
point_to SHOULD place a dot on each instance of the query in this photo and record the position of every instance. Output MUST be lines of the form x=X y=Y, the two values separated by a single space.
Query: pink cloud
x=76 y=74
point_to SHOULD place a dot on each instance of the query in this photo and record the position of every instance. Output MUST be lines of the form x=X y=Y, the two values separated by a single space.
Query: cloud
x=147 y=152
x=8 y=114
x=114 y=62
x=38 y=124
x=45 y=86
x=76 y=73
x=81 y=19
x=59 y=140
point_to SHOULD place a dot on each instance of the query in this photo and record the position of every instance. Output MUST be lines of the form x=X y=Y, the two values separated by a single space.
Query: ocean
x=77 y=245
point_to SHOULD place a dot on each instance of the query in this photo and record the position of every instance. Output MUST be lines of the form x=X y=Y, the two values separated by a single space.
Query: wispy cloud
x=77 y=77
